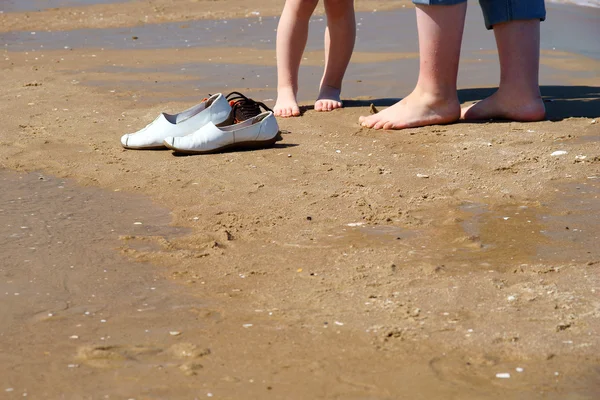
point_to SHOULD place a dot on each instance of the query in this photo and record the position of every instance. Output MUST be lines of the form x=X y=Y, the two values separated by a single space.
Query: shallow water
x=585 y=3
x=562 y=230
x=574 y=222
x=565 y=229
x=210 y=75
x=567 y=28
x=36 y=5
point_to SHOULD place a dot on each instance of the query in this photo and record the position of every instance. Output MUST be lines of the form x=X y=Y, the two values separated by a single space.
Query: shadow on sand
x=281 y=146
x=561 y=101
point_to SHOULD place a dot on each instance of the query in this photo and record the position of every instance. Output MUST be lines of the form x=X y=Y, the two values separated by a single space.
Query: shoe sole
x=161 y=147
x=253 y=145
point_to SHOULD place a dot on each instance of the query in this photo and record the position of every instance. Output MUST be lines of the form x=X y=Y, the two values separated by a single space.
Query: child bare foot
x=329 y=99
x=292 y=34
x=508 y=106
x=286 y=104
x=413 y=111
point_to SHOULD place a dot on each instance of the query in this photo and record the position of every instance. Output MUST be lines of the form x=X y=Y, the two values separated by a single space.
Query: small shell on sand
x=559 y=153
x=355 y=224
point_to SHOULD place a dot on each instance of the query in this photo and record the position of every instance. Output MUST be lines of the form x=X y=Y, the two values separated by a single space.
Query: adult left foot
x=506 y=106
x=417 y=109
x=329 y=99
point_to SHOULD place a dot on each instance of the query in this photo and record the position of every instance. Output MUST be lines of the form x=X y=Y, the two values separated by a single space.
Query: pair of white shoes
x=209 y=127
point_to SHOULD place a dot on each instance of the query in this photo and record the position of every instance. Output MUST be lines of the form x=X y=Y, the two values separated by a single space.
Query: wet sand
x=342 y=263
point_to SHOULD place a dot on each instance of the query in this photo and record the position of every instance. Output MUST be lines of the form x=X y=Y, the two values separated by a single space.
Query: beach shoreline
x=341 y=263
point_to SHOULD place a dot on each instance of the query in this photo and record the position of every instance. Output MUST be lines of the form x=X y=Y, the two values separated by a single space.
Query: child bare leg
x=518 y=97
x=341 y=30
x=434 y=99
x=292 y=34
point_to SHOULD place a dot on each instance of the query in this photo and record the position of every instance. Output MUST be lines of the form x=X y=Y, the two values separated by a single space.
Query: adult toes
x=389 y=125
x=369 y=122
x=379 y=124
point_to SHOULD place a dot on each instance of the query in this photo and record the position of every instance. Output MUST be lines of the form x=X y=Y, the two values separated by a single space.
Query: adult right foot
x=417 y=109
x=507 y=106
x=286 y=104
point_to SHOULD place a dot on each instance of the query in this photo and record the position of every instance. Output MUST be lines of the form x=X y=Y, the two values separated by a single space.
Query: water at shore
x=567 y=34
x=567 y=28
x=38 y=5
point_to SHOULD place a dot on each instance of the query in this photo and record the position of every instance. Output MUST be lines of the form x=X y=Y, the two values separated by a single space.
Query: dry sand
x=342 y=263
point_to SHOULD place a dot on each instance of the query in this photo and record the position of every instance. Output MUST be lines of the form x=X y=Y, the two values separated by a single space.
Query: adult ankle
x=287 y=89
x=520 y=92
x=436 y=96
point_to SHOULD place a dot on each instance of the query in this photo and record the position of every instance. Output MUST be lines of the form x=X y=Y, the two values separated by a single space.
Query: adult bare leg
x=434 y=99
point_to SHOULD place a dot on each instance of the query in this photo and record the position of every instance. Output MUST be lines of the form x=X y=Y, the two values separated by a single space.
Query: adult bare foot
x=507 y=106
x=329 y=99
x=415 y=110
x=286 y=104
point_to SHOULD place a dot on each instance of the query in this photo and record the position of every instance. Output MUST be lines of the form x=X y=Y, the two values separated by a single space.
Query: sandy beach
x=446 y=262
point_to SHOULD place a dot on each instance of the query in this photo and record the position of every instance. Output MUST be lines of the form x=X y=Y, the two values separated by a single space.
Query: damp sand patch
x=72 y=302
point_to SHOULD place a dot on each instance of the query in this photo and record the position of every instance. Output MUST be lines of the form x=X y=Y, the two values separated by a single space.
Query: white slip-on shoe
x=256 y=132
x=215 y=109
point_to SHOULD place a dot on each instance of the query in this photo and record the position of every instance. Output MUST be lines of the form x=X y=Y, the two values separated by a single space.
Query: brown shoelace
x=244 y=108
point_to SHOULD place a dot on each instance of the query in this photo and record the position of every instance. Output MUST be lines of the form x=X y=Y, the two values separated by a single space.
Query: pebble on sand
x=422 y=176
x=355 y=224
x=503 y=375
x=174 y=333
x=559 y=153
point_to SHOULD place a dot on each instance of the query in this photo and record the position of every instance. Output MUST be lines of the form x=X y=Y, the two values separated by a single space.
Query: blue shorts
x=498 y=11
